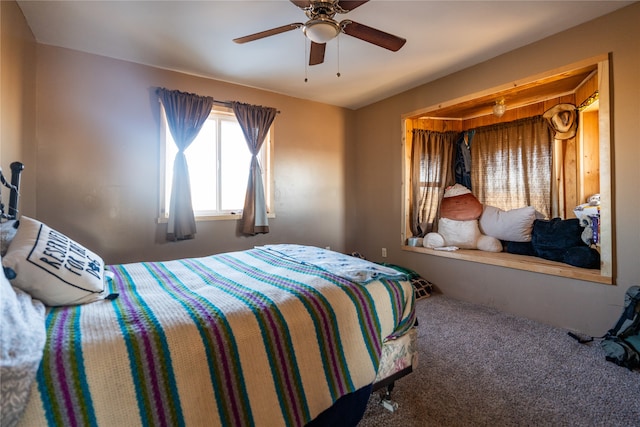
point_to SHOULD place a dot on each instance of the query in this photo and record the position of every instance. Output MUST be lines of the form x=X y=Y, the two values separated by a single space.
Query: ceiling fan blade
x=350 y=5
x=267 y=33
x=301 y=4
x=371 y=35
x=316 y=55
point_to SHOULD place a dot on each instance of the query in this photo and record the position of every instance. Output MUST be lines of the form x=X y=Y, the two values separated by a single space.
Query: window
x=218 y=161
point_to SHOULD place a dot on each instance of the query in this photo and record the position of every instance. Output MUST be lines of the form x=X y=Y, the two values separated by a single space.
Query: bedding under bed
x=269 y=336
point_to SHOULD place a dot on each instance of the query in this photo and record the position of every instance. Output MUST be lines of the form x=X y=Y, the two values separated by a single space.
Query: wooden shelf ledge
x=519 y=262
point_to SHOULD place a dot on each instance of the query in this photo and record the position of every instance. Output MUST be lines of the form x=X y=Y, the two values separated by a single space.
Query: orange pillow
x=464 y=207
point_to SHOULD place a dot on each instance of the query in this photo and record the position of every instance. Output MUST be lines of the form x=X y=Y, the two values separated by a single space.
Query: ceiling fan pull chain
x=306 y=67
x=338 y=43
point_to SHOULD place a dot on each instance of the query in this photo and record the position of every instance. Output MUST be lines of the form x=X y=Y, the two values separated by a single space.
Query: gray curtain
x=255 y=122
x=431 y=172
x=186 y=113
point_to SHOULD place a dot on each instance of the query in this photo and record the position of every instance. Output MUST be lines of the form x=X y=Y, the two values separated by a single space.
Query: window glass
x=234 y=168
x=201 y=154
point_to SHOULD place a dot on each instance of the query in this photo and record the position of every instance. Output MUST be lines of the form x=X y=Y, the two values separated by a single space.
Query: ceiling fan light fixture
x=321 y=30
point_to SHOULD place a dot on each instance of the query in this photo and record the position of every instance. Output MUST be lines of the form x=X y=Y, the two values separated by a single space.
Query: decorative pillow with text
x=51 y=267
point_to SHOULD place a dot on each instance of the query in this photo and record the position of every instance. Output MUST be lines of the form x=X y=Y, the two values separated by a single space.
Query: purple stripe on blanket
x=61 y=378
x=357 y=292
x=398 y=303
x=275 y=339
x=149 y=357
x=219 y=343
x=65 y=391
x=328 y=338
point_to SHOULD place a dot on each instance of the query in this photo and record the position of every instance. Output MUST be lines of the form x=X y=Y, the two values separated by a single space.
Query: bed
x=274 y=335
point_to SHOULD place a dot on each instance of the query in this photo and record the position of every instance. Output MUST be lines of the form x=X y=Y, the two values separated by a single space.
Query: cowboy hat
x=563 y=120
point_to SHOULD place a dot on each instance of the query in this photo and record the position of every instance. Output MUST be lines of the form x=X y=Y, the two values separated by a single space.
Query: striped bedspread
x=244 y=338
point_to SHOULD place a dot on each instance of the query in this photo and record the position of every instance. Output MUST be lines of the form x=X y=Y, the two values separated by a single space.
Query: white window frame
x=265 y=159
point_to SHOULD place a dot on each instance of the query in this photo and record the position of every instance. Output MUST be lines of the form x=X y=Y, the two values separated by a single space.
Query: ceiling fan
x=321 y=27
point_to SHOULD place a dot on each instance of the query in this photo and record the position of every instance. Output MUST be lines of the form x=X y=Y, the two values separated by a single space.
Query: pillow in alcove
x=514 y=225
x=458 y=223
x=551 y=238
x=519 y=248
x=460 y=204
x=582 y=256
x=462 y=234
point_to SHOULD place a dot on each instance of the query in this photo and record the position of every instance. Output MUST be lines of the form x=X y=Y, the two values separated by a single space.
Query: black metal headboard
x=14 y=194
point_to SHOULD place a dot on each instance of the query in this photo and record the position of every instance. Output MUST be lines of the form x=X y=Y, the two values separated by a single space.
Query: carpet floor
x=480 y=367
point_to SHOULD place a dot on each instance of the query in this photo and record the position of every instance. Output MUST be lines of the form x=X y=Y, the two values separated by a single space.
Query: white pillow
x=53 y=268
x=433 y=240
x=514 y=225
x=463 y=234
x=489 y=244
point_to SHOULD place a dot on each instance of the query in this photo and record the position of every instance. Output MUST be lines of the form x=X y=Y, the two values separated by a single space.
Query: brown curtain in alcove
x=186 y=113
x=431 y=172
x=255 y=122
x=512 y=164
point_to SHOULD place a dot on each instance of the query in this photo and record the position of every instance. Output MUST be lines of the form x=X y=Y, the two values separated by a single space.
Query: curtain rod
x=225 y=103
x=228 y=104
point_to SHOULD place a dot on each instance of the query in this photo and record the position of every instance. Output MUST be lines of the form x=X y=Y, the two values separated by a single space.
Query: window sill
x=519 y=262
x=233 y=217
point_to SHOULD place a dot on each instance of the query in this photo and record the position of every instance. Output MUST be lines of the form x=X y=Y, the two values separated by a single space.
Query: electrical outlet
x=384 y=252
x=328 y=248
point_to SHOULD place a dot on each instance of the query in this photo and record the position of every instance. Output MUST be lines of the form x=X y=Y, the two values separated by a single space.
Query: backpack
x=621 y=343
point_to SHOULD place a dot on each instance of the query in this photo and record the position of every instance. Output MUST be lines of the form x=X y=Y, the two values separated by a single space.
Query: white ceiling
x=195 y=37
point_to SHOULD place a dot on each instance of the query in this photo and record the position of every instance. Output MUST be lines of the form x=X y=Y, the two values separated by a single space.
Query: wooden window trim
x=606 y=273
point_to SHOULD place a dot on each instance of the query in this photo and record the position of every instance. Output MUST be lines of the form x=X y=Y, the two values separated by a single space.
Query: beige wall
x=97 y=137
x=572 y=304
x=17 y=101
